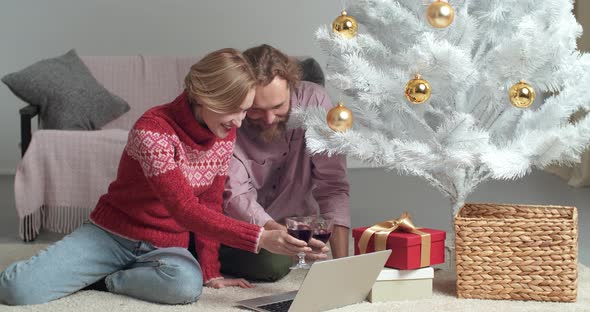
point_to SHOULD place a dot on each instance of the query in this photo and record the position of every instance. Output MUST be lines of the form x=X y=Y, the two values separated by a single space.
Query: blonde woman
x=170 y=182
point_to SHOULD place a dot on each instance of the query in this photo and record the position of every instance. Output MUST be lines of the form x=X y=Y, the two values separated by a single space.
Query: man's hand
x=319 y=250
x=318 y=246
x=280 y=242
x=230 y=282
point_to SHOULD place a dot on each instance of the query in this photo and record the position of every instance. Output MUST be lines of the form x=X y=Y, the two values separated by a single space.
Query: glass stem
x=301 y=258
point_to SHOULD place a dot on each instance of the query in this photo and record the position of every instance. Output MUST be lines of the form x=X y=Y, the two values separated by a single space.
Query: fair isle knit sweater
x=170 y=182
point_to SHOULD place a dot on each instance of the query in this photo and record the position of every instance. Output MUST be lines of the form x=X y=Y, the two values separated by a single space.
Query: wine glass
x=322 y=228
x=300 y=228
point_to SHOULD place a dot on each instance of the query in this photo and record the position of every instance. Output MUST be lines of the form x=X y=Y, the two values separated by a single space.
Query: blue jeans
x=131 y=268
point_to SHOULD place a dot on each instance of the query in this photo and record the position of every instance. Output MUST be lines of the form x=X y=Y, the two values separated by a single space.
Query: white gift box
x=395 y=285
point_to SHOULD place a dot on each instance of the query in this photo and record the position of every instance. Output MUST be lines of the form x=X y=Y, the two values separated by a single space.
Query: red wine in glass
x=323 y=235
x=302 y=232
x=300 y=228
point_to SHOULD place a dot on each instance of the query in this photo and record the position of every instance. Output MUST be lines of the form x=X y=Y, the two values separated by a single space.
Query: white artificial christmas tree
x=468 y=131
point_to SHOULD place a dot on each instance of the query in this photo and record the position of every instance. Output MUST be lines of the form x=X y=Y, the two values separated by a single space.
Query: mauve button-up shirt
x=281 y=179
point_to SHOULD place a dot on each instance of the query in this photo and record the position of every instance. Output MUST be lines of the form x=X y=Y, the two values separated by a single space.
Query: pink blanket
x=62 y=175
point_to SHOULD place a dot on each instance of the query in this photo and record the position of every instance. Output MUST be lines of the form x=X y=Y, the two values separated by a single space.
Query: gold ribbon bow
x=403 y=223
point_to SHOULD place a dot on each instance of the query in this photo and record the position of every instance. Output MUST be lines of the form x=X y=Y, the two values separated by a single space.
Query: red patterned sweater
x=170 y=181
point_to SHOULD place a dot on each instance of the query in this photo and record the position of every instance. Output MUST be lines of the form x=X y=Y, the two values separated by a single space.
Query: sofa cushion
x=144 y=81
x=68 y=96
x=312 y=71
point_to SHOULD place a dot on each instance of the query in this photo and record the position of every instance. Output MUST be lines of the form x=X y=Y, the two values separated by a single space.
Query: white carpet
x=443 y=300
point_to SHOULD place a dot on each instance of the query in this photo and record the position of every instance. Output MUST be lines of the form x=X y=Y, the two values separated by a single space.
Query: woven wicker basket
x=518 y=252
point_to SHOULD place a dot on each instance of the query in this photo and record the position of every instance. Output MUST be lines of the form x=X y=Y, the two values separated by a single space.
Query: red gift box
x=406 y=247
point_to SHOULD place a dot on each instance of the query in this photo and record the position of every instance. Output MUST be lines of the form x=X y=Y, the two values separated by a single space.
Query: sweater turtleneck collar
x=184 y=116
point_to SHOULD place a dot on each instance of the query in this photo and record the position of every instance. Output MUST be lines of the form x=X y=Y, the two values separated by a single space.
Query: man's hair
x=268 y=62
x=220 y=81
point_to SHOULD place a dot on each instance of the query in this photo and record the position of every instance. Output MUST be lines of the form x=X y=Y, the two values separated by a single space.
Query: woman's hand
x=230 y=282
x=273 y=225
x=280 y=242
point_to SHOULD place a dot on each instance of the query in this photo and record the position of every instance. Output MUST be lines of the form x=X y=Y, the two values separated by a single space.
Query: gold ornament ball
x=418 y=90
x=339 y=118
x=521 y=94
x=440 y=14
x=345 y=25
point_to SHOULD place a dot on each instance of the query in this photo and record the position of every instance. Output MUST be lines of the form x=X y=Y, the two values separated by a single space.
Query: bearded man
x=272 y=176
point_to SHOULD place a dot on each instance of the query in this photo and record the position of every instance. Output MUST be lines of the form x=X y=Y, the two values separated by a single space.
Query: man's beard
x=270 y=135
x=273 y=134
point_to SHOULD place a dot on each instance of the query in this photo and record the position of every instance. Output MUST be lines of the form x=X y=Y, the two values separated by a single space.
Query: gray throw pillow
x=67 y=94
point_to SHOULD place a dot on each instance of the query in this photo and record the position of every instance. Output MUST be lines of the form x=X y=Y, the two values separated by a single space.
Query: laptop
x=329 y=284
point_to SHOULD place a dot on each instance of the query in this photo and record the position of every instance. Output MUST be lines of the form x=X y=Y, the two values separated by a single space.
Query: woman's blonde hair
x=220 y=81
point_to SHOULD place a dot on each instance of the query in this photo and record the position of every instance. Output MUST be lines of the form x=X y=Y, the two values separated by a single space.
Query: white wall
x=32 y=30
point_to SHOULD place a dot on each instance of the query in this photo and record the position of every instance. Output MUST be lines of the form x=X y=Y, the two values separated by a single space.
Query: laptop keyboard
x=282 y=306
